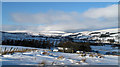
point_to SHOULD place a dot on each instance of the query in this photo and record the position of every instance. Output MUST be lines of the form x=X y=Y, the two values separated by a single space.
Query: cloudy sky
x=59 y=16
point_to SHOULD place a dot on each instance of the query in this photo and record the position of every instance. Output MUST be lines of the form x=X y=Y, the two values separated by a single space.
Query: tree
x=111 y=40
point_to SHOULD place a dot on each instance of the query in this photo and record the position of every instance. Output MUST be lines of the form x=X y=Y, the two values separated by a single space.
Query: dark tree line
x=75 y=46
x=29 y=43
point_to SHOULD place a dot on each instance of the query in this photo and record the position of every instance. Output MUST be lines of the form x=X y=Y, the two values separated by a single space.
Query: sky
x=59 y=16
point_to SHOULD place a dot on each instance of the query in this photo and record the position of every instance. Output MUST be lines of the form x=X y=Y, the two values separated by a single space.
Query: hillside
x=104 y=36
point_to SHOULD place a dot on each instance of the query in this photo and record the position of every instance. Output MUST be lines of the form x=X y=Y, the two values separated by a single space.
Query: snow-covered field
x=45 y=56
x=104 y=49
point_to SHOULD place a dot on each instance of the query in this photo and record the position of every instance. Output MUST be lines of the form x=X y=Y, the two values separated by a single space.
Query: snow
x=104 y=49
x=109 y=30
x=37 y=57
x=52 y=32
x=55 y=50
x=67 y=34
x=60 y=48
x=78 y=36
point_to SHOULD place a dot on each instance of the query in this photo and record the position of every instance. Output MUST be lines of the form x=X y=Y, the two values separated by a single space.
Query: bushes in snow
x=12 y=50
x=96 y=55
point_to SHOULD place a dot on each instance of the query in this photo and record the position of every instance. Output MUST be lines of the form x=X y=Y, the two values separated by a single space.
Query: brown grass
x=42 y=63
x=83 y=55
x=45 y=53
x=60 y=57
x=53 y=63
x=100 y=56
x=91 y=55
x=116 y=55
x=14 y=50
x=78 y=62
x=83 y=60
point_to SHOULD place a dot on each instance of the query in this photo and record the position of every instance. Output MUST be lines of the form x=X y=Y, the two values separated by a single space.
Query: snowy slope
x=88 y=35
x=53 y=58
